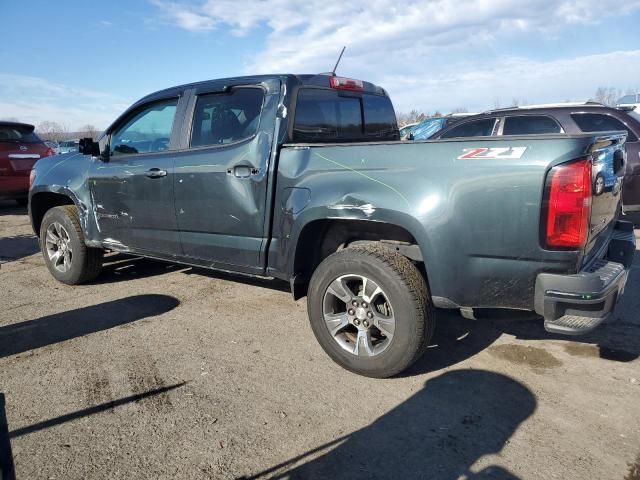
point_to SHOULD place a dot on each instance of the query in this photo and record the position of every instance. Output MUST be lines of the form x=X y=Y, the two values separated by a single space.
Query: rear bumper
x=576 y=304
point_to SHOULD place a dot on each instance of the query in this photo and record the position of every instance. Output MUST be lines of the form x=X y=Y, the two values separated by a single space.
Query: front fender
x=64 y=175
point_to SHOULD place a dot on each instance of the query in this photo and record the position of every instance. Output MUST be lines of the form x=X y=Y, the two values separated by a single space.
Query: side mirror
x=87 y=146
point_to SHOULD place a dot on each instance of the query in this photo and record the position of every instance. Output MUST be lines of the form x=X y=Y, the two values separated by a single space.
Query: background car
x=20 y=149
x=54 y=145
x=429 y=127
x=570 y=118
x=632 y=100
x=68 y=146
x=404 y=131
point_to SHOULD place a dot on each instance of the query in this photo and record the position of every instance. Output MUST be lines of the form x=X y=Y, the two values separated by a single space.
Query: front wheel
x=67 y=257
x=370 y=310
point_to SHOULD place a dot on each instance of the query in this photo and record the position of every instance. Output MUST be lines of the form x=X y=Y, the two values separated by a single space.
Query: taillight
x=342 y=83
x=569 y=204
x=32 y=177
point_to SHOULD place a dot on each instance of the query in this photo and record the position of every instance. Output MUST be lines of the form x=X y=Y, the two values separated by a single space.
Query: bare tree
x=607 y=95
x=52 y=131
x=496 y=103
x=88 y=131
x=413 y=116
x=460 y=110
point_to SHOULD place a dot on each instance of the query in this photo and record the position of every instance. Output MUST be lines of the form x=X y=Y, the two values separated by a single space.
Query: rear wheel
x=67 y=257
x=370 y=310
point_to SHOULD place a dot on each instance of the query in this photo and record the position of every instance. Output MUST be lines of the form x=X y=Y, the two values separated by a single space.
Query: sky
x=77 y=62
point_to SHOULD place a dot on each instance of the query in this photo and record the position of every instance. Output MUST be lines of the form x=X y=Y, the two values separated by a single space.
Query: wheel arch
x=320 y=237
x=41 y=202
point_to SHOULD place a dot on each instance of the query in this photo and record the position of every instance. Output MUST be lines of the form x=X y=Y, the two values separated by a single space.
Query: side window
x=530 y=125
x=147 y=131
x=223 y=118
x=474 y=128
x=597 y=122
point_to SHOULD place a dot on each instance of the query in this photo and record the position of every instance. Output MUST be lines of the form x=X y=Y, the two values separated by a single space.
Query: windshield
x=628 y=99
x=18 y=133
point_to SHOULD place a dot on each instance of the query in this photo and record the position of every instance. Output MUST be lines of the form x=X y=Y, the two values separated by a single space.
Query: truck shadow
x=9 y=207
x=440 y=432
x=7 y=467
x=120 y=267
x=17 y=247
x=24 y=336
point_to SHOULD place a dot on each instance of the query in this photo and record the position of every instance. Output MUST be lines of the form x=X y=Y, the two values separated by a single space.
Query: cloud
x=34 y=100
x=429 y=45
x=477 y=86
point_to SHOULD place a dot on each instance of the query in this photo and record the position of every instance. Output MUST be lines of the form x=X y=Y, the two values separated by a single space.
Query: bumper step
x=572 y=324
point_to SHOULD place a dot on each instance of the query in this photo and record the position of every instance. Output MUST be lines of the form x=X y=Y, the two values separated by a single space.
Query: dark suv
x=570 y=118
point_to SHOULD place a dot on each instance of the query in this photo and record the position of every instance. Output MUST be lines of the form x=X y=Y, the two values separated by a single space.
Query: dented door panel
x=134 y=211
x=221 y=197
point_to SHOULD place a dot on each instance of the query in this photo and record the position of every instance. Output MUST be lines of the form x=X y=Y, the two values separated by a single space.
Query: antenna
x=339 y=58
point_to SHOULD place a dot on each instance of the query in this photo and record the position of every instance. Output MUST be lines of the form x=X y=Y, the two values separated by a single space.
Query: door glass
x=475 y=128
x=530 y=125
x=147 y=131
x=223 y=118
x=597 y=122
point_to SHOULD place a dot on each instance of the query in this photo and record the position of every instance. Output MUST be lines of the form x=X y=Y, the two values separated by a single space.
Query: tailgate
x=609 y=158
x=18 y=159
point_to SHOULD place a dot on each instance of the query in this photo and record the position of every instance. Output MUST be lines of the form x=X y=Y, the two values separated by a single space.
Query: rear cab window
x=599 y=122
x=474 y=128
x=530 y=125
x=327 y=115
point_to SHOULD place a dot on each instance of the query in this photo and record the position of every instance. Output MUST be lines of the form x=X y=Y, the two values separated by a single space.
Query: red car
x=20 y=149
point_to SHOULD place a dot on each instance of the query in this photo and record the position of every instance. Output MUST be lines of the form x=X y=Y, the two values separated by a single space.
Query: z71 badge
x=496 y=153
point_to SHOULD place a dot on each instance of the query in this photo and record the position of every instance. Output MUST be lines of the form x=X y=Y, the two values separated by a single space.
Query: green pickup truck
x=304 y=178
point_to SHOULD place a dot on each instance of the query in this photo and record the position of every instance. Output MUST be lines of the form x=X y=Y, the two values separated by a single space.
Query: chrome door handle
x=243 y=171
x=155 y=173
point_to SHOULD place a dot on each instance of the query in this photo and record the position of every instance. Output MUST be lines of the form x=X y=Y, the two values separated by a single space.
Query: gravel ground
x=161 y=371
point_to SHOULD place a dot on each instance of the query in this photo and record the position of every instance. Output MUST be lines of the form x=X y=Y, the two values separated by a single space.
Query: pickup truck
x=303 y=178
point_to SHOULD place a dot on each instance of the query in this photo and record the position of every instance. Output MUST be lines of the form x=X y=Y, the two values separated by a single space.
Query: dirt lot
x=161 y=371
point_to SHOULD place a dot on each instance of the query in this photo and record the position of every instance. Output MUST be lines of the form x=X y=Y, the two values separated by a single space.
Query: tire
x=23 y=202
x=408 y=303
x=84 y=263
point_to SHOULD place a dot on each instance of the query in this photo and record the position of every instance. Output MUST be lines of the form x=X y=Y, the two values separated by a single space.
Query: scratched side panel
x=66 y=174
x=476 y=220
x=222 y=216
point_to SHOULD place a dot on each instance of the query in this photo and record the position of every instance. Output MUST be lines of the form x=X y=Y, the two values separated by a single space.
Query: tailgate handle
x=155 y=173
